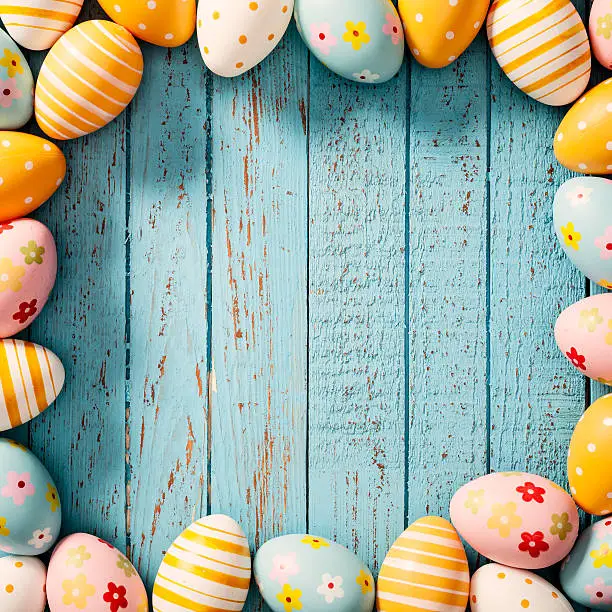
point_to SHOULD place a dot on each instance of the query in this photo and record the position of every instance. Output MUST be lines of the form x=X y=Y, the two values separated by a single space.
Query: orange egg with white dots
x=22 y=584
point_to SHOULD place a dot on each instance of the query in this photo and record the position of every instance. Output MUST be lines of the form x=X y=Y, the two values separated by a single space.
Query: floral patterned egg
x=304 y=572
x=583 y=142
x=31 y=170
x=22 y=584
x=583 y=222
x=87 y=573
x=584 y=334
x=30 y=511
x=586 y=574
x=16 y=86
x=520 y=520
x=235 y=36
x=28 y=265
x=439 y=31
x=361 y=40
x=600 y=30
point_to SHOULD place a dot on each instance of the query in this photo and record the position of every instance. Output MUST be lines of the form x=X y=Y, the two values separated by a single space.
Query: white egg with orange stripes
x=207 y=569
x=88 y=78
x=542 y=46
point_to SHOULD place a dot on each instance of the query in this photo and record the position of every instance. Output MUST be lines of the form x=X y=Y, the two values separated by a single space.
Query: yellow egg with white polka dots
x=22 y=584
x=439 y=31
x=167 y=23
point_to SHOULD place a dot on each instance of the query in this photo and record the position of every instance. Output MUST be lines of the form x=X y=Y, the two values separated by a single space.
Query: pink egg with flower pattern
x=87 y=573
x=600 y=31
x=516 y=519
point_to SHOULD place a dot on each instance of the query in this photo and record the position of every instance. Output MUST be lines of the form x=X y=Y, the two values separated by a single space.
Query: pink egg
x=86 y=573
x=28 y=265
x=517 y=519
x=600 y=31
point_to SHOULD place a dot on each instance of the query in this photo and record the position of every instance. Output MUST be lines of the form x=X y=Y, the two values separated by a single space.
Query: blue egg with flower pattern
x=30 y=510
x=16 y=86
x=361 y=40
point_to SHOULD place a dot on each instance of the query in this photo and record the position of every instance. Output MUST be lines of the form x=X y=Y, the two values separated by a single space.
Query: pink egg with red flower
x=28 y=266
x=516 y=519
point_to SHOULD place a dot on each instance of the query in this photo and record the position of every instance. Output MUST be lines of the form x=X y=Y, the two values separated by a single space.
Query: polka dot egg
x=234 y=37
x=22 y=584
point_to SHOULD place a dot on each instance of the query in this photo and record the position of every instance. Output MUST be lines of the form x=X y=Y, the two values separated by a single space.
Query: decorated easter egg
x=600 y=31
x=22 y=584
x=28 y=264
x=439 y=31
x=584 y=334
x=167 y=23
x=31 y=170
x=361 y=40
x=30 y=511
x=583 y=142
x=235 y=36
x=586 y=574
x=497 y=588
x=16 y=86
x=425 y=569
x=520 y=520
x=90 y=75
x=304 y=572
x=542 y=46
x=87 y=573
x=37 y=24
x=208 y=567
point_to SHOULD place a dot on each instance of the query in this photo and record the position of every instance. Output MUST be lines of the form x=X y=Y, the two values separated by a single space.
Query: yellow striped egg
x=426 y=569
x=31 y=377
x=37 y=24
x=207 y=569
x=89 y=77
x=542 y=46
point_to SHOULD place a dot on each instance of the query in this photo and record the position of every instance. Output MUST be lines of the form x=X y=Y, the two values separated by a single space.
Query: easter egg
x=28 y=264
x=167 y=23
x=542 y=46
x=439 y=31
x=497 y=588
x=87 y=573
x=233 y=37
x=90 y=75
x=583 y=142
x=589 y=461
x=584 y=335
x=304 y=572
x=600 y=31
x=16 y=86
x=22 y=584
x=520 y=520
x=586 y=574
x=425 y=569
x=30 y=511
x=208 y=567
x=360 y=40
x=31 y=170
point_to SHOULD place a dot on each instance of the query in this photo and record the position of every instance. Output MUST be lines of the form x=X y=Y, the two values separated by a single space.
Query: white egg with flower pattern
x=22 y=584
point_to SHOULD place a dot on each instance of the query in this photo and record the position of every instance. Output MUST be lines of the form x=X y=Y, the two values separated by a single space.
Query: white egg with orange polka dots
x=236 y=35
x=22 y=584
x=496 y=588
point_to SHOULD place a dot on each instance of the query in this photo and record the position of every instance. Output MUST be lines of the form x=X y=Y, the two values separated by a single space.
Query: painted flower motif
x=531 y=492
x=284 y=566
x=533 y=543
x=475 y=500
x=577 y=360
x=604 y=244
x=331 y=588
x=26 y=311
x=356 y=34
x=365 y=582
x=366 y=76
x=10 y=275
x=5 y=227
x=561 y=525
x=316 y=543
x=33 y=253
x=40 y=537
x=77 y=591
x=12 y=63
x=599 y=592
x=18 y=487
x=393 y=28
x=590 y=319
x=143 y=604
x=115 y=596
x=571 y=237
x=579 y=195
x=504 y=519
x=602 y=556
x=105 y=543
x=52 y=497
x=4 y=530
x=321 y=37
x=601 y=529
x=290 y=598
x=604 y=26
x=9 y=92
x=606 y=284
x=125 y=566
x=77 y=556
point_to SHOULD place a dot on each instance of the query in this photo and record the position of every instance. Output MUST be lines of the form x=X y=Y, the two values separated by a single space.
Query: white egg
x=22 y=584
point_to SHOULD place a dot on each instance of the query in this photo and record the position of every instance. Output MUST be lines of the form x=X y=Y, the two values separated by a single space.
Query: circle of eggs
x=30 y=511
x=22 y=584
x=16 y=86
x=600 y=28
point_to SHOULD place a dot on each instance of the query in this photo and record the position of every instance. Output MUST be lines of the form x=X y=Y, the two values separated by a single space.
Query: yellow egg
x=167 y=23
x=90 y=75
x=31 y=169
x=439 y=31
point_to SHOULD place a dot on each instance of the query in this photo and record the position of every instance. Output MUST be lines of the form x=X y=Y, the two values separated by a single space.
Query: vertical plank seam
x=307 y=463
x=489 y=271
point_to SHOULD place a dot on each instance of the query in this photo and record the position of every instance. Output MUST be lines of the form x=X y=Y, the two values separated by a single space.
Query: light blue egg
x=586 y=574
x=583 y=223
x=30 y=511
x=16 y=86
x=302 y=572
x=361 y=40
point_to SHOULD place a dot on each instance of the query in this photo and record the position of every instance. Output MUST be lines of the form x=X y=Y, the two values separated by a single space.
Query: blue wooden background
x=312 y=305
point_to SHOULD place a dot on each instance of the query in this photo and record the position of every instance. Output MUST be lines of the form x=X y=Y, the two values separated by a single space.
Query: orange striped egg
x=207 y=569
x=426 y=569
x=542 y=46
x=89 y=77
x=37 y=24
x=31 y=377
